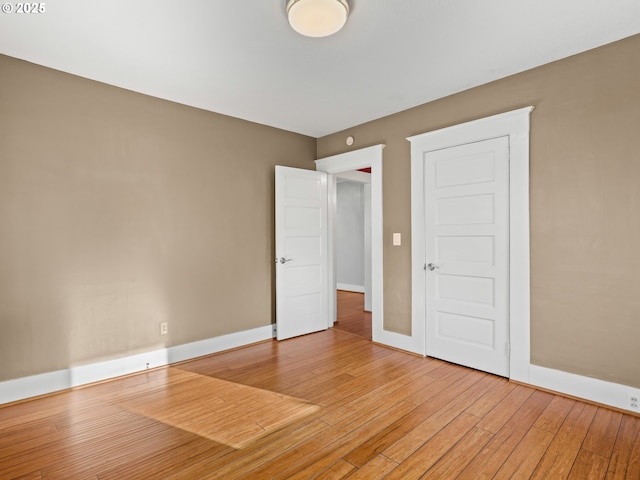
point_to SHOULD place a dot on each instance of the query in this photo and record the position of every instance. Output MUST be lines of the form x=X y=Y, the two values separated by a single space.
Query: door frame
x=515 y=125
x=370 y=157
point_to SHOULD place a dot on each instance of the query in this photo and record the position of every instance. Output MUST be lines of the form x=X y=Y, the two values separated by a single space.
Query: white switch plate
x=397 y=239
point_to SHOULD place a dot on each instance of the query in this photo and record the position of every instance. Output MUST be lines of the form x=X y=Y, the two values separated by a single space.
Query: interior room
x=143 y=316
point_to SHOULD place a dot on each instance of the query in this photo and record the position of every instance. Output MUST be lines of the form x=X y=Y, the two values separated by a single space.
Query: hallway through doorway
x=352 y=317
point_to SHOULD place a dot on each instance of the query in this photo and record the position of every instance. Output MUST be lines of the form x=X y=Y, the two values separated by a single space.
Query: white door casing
x=515 y=126
x=345 y=162
x=367 y=247
x=467 y=251
x=302 y=257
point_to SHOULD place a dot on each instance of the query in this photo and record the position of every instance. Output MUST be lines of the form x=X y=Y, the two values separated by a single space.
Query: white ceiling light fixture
x=317 y=18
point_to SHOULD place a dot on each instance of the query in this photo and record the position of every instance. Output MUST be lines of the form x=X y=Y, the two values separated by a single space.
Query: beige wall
x=119 y=211
x=585 y=204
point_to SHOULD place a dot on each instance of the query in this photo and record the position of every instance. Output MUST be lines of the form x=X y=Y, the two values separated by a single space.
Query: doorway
x=370 y=157
x=353 y=252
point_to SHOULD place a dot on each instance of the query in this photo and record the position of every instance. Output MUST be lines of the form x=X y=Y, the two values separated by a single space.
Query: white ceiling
x=241 y=58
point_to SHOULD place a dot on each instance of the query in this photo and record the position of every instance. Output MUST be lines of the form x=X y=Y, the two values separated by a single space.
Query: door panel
x=467 y=241
x=475 y=168
x=301 y=243
x=466 y=289
x=478 y=250
x=465 y=210
x=475 y=331
x=302 y=218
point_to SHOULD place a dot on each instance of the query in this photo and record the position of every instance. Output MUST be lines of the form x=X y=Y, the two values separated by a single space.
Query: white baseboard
x=592 y=389
x=21 y=388
x=599 y=391
x=350 y=288
x=396 y=340
x=219 y=344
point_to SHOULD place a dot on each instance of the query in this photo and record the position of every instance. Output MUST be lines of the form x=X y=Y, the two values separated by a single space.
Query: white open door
x=301 y=252
x=467 y=254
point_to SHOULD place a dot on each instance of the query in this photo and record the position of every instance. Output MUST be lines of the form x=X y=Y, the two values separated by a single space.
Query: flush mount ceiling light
x=317 y=18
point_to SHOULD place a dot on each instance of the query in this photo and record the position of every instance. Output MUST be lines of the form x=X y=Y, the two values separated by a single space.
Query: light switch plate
x=397 y=239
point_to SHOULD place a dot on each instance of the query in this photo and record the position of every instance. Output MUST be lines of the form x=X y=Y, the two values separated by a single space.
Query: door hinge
x=507 y=349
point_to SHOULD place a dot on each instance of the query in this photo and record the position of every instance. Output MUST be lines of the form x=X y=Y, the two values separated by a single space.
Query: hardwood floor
x=330 y=405
x=351 y=316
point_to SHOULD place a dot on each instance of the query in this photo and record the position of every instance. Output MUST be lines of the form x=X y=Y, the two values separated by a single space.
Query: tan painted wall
x=119 y=211
x=585 y=204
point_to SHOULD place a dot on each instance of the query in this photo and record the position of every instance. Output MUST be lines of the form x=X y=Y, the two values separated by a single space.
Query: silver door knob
x=432 y=266
x=285 y=260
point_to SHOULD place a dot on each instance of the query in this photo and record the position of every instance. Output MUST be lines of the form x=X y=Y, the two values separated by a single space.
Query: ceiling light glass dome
x=317 y=18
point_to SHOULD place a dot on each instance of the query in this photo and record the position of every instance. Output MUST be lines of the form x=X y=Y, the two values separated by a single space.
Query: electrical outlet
x=633 y=402
x=164 y=328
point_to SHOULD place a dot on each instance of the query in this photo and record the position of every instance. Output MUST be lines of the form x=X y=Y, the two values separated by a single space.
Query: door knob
x=285 y=260
x=432 y=266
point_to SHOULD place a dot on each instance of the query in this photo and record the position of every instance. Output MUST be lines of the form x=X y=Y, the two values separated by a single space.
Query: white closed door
x=301 y=252
x=467 y=255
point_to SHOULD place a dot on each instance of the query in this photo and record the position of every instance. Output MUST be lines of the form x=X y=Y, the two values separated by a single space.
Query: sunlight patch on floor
x=225 y=412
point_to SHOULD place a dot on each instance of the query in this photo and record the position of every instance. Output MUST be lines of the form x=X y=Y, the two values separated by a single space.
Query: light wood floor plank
x=563 y=450
x=589 y=465
x=621 y=457
x=420 y=461
x=500 y=414
x=525 y=457
x=445 y=408
x=265 y=452
x=165 y=461
x=459 y=456
x=603 y=432
x=489 y=461
x=554 y=415
x=37 y=475
x=339 y=470
x=488 y=401
x=375 y=469
x=328 y=447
